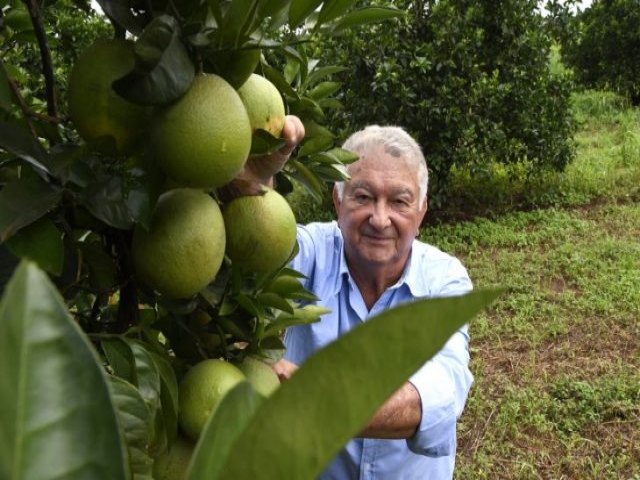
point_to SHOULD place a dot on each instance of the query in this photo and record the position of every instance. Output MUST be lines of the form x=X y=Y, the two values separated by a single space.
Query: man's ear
x=423 y=210
x=336 y=199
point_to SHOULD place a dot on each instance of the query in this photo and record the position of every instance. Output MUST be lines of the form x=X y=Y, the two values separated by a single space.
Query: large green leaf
x=367 y=15
x=136 y=422
x=58 y=420
x=223 y=427
x=163 y=70
x=300 y=10
x=299 y=429
x=41 y=242
x=332 y=9
x=120 y=12
x=23 y=144
x=23 y=201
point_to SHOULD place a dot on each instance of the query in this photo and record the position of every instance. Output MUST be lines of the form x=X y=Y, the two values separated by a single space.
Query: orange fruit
x=184 y=247
x=203 y=139
x=261 y=231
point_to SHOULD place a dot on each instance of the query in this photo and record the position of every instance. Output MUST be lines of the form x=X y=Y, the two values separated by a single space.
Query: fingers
x=293 y=132
x=284 y=369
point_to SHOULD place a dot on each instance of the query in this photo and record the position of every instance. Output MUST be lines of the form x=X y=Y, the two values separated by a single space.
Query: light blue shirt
x=443 y=383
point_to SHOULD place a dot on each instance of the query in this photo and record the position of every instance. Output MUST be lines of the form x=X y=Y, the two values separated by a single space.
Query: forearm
x=398 y=417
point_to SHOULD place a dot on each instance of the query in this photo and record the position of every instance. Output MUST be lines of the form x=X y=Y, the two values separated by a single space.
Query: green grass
x=557 y=357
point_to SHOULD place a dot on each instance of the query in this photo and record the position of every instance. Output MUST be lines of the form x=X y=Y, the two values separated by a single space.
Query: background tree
x=606 y=52
x=469 y=79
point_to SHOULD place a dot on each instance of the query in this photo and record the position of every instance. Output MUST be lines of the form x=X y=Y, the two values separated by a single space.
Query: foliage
x=470 y=80
x=69 y=28
x=606 y=52
x=556 y=358
x=90 y=372
x=45 y=351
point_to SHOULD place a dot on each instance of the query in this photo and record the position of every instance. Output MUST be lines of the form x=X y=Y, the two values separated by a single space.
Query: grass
x=557 y=358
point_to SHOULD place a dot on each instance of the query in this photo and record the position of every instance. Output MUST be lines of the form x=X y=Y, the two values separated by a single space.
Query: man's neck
x=374 y=282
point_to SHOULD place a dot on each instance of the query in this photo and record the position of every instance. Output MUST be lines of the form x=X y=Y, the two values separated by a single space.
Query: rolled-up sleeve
x=443 y=384
x=444 y=381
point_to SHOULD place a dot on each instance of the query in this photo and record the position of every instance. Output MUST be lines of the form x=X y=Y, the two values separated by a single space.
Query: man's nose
x=379 y=218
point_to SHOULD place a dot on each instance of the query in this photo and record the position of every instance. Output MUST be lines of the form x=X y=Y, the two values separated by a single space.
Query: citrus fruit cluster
x=200 y=142
x=201 y=391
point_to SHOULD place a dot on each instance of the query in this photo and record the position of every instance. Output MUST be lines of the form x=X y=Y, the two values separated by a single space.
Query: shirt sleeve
x=444 y=381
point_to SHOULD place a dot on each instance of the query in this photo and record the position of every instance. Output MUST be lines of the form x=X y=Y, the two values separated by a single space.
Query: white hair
x=396 y=142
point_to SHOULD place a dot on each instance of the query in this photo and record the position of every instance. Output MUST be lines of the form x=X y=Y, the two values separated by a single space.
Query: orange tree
x=126 y=282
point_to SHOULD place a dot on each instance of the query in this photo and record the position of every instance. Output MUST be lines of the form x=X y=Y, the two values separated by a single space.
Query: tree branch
x=45 y=54
x=26 y=110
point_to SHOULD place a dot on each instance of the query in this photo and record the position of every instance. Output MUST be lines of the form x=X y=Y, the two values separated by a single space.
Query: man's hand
x=261 y=169
x=284 y=369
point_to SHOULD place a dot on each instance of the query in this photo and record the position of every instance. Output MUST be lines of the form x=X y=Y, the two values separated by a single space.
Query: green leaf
x=263 y=143
x=135 y=421
x=5 y=91
x=307 y=314
x=338 y=389
x=120 y=358
x=227 y=423
x=41 y=242
x=238 y=20
x=105 y=199
x=331 y=173
x=275 y=301
x=275 y=77
x=147 y=376
x=367 y=15
x=168 y=396
x=120 y=12
x=332 y=9
x=318 y=73
x=345 y=156
x=22 y=144
x=163 y=70
x=58 y=419
x=300 y=10
x=103 y=271
x=285 y=284
x=142 y=196
x=23 y=201
x=324 y=89
x=307 y=108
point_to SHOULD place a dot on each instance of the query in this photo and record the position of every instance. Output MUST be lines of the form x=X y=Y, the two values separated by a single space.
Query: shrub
x=470 y=80
x=606 y=53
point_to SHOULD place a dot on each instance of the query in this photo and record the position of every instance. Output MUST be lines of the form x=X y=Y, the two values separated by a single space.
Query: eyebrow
x=394 y=191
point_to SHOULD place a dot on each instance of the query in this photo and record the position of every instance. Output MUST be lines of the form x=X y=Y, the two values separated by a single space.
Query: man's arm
x=398 y=417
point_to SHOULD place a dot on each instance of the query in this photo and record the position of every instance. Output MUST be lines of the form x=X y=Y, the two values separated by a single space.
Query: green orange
x=260 y=375
x=201 y=391
x=261 y=231
x=264 y=104
x=95 y=108
x=184 y=247
x=203 y=139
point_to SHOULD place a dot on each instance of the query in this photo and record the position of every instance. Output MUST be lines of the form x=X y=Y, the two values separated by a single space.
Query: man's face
x=380 y=212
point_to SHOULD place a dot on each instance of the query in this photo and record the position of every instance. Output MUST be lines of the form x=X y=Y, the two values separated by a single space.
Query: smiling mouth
x=377 y=239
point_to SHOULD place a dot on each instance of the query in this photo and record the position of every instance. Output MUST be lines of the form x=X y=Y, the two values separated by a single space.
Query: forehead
x=376 y=167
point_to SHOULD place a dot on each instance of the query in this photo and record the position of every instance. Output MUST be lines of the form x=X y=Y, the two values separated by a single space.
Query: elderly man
x=368 y=261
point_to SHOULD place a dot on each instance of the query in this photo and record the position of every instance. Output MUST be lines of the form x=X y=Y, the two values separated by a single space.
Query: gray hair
x=396 y=142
